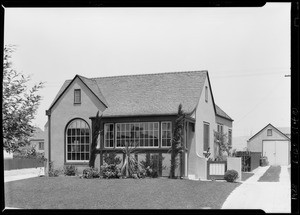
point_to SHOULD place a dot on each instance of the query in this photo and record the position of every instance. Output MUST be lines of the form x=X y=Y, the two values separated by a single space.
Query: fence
x=250 y=160
x=22 y=163
x=216 y=169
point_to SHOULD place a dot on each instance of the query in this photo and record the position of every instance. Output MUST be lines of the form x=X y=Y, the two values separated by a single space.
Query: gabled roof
x=38 y=134
x=152 y=94
x=90 y=84
x=149 y=94
x=221 y=113
x=284 y=135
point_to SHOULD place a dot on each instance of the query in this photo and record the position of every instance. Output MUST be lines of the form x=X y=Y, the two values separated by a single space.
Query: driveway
x=18 y=174
x=272 y=197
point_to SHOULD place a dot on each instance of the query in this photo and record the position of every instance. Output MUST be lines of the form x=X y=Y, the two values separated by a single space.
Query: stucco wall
x=204 y=113
x=255 y=144
x=63 y=112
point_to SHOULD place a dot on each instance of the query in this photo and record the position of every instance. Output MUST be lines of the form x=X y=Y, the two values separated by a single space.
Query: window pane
x=76 y=139
x=87 y=156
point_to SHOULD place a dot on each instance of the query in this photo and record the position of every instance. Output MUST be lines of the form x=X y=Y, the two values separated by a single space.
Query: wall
x=63 y=112
x=204 y=113
x=255 y=144
x=35 y=143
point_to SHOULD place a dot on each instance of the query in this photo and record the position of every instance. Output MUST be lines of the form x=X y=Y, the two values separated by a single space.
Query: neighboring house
x=272 y=143
x=38 y=140
x=140 y=108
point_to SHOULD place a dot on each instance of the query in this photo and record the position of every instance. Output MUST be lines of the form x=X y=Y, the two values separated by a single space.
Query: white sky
x=245 y=50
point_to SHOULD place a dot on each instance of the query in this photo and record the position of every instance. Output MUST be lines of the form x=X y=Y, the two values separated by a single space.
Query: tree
x=222 y=143
x=96 y=132
x=176 y=146
x=19 y=106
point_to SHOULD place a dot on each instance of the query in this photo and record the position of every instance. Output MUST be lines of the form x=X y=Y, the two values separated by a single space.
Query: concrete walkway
x=18 y=174
x=272 y=197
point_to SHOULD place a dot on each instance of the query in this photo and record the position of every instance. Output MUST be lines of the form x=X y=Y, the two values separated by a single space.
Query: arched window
x=78 y=141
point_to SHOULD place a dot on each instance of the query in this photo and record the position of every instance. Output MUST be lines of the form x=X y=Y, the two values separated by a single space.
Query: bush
x=91 y=173
x=52 y=172
x=150 y=166
x=110 y=171
x=111 y=158
x=231 y=175
x=69 y=170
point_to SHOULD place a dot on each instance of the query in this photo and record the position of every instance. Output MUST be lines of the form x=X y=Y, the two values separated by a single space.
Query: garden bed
x=76 y=193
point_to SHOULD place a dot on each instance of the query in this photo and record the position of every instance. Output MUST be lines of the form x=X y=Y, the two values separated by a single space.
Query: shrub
x=150 y=166
x=111 y=158
x=91 y=173
x=52 y=172
x=231 y=175
x=69 y=170
x=110 y=171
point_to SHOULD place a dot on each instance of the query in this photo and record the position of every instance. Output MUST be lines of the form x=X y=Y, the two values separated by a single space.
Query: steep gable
x=90 y=84
x=267 y=127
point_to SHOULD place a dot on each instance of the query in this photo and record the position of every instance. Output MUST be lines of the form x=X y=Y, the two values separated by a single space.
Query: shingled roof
x=148 y=94
x=221 y=113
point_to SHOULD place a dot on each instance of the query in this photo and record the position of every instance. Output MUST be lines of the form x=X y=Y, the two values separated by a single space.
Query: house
x=273 y=143
x=139 y=108
x=38 y=140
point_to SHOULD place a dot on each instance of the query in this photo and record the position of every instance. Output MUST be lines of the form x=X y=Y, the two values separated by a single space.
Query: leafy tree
x=96 y=132
x=222 y=143
x=19 y=106
x=176 y=146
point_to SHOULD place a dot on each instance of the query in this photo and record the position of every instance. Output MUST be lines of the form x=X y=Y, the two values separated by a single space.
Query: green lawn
x=246 y=175
x=271 y=175
x=76 y=193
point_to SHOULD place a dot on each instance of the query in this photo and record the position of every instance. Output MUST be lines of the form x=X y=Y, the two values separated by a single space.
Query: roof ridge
x=150 y=74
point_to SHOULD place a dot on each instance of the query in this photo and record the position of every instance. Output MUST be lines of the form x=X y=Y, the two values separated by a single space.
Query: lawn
x=271 y=175
x=246 y=175
x=77 y=193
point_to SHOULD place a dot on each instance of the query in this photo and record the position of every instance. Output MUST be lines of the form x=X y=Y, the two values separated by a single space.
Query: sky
x=245 y=50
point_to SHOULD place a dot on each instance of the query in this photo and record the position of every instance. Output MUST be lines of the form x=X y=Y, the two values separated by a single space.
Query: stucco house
x=38 y=140
x=272 y=142
x=140 y=108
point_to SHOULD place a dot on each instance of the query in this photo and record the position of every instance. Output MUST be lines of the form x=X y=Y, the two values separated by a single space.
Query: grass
x=76 y=193
x=271 y=175
x=246 y=175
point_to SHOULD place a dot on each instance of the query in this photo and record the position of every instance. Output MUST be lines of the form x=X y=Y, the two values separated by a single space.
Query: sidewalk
x=18 y=174
x=272 y=197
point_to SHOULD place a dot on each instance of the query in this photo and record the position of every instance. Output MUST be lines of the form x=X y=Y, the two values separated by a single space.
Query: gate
x=246 y=160
x=216 y=169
